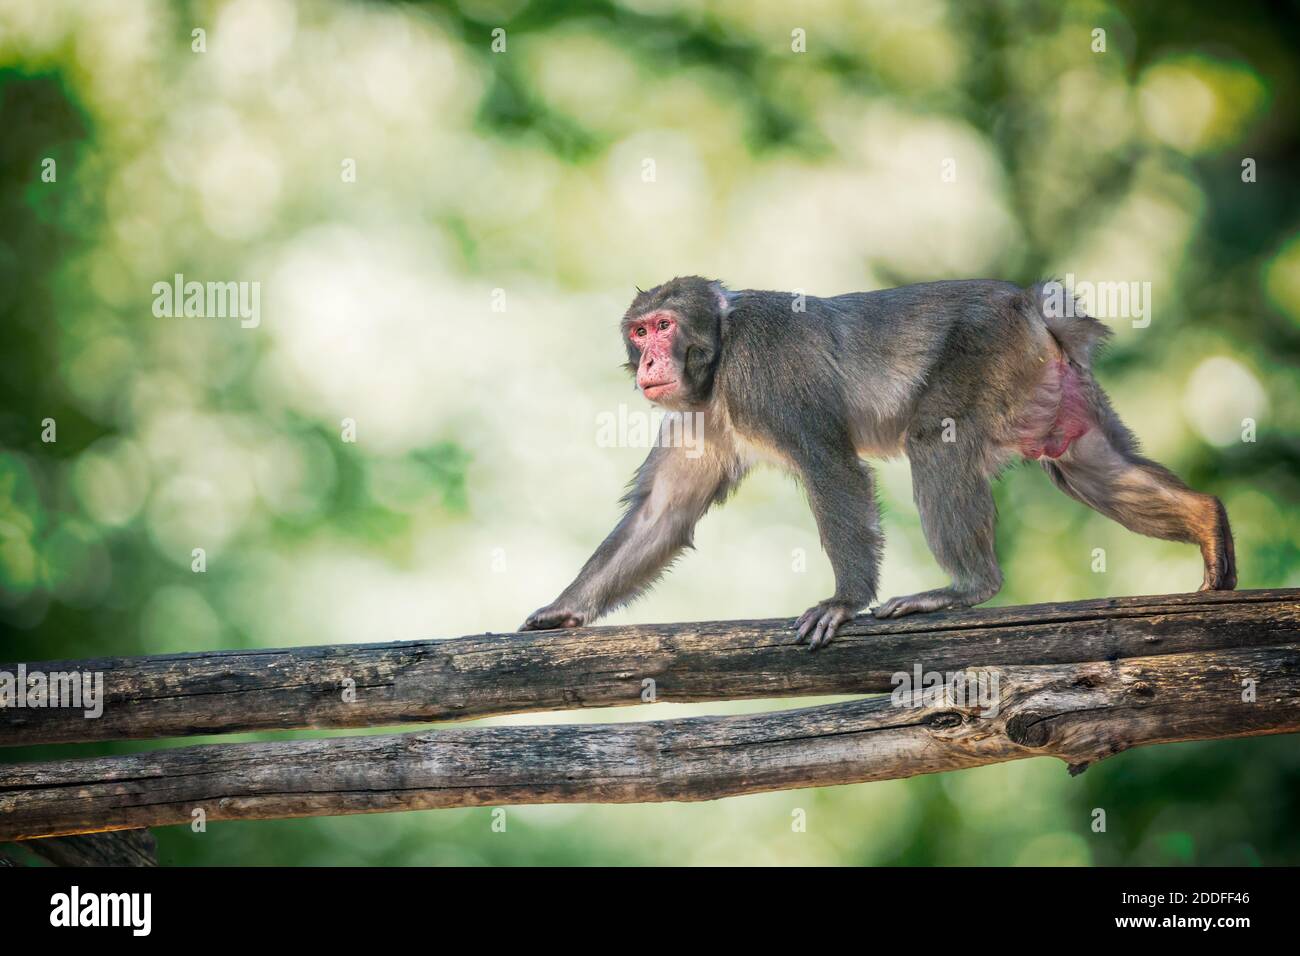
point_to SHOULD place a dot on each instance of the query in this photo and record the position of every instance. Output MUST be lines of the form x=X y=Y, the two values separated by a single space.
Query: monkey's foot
x=925 y=601
x=1210 y=584
x=1220 y=573
x=552 y=617
x=819 y=624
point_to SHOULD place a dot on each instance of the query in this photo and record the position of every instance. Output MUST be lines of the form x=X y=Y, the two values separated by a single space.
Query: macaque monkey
x=963 y=377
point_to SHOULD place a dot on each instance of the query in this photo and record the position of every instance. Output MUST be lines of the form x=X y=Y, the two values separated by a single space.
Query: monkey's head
x=674 y=340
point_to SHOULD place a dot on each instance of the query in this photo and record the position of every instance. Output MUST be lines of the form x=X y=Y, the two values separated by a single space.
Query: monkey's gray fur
x=963 y=377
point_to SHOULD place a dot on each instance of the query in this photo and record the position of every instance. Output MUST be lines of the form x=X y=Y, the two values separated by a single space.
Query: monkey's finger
x=802 y=621
x=550 y=622
x=825 y=631
x=805 y=624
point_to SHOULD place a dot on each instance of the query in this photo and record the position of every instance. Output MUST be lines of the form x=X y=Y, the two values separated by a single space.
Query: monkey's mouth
x=656 y=390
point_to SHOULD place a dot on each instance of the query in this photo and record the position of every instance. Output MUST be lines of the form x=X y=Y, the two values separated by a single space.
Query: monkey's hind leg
x=958 y=517
x=1103 y=470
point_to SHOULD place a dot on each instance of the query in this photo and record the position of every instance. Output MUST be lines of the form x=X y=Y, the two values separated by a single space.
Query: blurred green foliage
x=128 y=155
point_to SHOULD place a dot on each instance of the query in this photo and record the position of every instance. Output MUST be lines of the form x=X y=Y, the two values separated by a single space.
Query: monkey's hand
x=819 y=623
x=554 y=616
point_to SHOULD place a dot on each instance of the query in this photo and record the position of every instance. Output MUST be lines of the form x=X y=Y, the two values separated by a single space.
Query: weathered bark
x=115 y=848
x=232 y=691
x=1077 y=712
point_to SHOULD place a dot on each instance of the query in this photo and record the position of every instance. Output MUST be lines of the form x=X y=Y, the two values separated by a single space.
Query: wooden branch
x=115 y=848
x=233 y=691
x=1078 y=712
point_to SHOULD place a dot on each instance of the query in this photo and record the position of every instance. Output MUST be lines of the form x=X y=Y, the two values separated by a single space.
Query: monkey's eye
x=640 y=332
x=663 y=325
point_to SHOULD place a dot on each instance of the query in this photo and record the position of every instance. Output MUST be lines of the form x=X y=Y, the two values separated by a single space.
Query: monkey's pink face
x=657 y=374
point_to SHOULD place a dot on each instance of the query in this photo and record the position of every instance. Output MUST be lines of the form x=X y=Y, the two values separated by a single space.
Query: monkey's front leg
x=958 y=517
x=670 y=493
x=843 y=499
x=610 y=576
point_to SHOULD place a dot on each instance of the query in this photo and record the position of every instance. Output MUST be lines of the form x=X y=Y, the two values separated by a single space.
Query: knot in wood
x=1029 y=729
x=946 y=719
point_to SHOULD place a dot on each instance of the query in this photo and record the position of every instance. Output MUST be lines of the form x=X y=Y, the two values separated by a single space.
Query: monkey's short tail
x=1077 y=333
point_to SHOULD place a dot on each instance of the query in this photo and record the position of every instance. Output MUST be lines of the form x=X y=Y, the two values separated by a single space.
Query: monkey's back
x=894 y=360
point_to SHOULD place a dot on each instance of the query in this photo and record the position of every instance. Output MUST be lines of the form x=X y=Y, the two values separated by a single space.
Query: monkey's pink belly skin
x=1049 y=436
